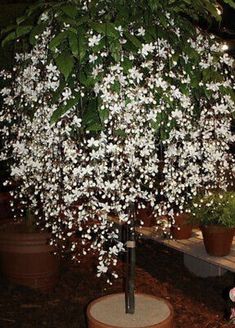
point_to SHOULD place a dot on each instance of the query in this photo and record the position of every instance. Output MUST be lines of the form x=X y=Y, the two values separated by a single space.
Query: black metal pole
x=130 y=262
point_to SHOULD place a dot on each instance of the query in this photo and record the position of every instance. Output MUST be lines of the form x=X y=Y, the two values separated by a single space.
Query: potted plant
x=145 y=214
x=106 y=88
x=182 y=226
x=26 y=256
x=215 y=214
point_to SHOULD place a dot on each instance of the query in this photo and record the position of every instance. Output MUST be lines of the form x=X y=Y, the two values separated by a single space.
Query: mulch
x=198 y=302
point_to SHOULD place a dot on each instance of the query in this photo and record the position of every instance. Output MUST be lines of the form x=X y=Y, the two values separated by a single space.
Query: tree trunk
x=130 y=263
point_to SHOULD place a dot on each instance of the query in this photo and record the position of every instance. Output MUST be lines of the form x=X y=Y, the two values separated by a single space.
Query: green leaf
x=153 y=4
x=91 y=117
x=99 y=27
x=213 y=10
x=116 y=87
x=65 y=63
x=106 y=29
x=57 y=94
x=57 y=40
x=73 y=43
x=10 y=37
x=104 y=114
x=120 y=133
x=111 y=31
x=95 y=127
x=127 y=64
x=21 y=19
x=35 y=7
x=86 y=79
x=23 y=30
x=82 y=46
x=71 y=21
x=37 y=30
x=134 y=40
x=8 y=29
x=70 y=10
x=115 y=48
x=59 y=112
x=163 y=20
x=80 y=21
x=231 y=3
x=156 y=123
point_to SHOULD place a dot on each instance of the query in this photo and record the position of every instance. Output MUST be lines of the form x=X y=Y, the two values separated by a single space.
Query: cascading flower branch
x=102 y=112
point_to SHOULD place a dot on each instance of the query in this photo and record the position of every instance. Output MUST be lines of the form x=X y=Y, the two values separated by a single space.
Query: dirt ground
x=197 y=302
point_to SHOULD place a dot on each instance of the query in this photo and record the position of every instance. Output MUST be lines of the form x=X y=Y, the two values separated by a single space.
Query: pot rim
x=93 y=320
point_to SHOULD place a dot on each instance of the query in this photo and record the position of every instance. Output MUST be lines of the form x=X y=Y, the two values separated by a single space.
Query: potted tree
x=105 y=87
x=215 y=214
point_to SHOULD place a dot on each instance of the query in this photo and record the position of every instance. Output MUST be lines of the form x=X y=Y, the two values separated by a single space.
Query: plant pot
x=217 y=239
x=109 y=312
x=27 y=259
x=181 y=229
x=146 y=215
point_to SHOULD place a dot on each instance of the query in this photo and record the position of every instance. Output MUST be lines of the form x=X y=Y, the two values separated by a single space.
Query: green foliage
x=231 y=3
x=59 y=112
x=215 y=209
x=65 y=63
x=91 y=119
x=70 y=49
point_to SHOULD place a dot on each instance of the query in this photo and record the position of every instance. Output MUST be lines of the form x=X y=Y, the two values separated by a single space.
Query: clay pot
x=146 y=215
x=217 y=239
x=27 y=259
x=109 y=312
x=181 y=229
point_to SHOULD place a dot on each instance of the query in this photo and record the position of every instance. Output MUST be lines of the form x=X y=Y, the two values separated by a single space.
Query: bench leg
x=201 y=268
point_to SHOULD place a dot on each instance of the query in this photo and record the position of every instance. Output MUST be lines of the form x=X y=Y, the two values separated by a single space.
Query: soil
x=197 y=302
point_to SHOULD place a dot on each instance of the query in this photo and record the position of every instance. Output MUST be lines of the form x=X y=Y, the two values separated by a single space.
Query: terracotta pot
x=182 y=229
x=109 y=312
x=27 y=259
x=146 y=215
x=217 y=239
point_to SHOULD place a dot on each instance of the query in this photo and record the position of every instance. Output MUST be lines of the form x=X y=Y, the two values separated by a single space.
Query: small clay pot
x=182 y=229
x=217 y=239
x=109 y=312
x=146 y=215
x=27 y=259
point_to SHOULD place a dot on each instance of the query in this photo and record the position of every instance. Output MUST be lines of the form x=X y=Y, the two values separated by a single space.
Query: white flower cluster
x=164 y=136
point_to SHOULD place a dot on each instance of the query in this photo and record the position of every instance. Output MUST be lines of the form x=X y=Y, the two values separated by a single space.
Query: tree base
x=150 y=312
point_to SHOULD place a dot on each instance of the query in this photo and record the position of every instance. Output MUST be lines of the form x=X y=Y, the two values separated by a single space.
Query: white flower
x=119 y=29
x=102 y=268
x=92 y=58
x=177 y=114
x=135 y=74
x=66 y=94
x=141 y=31
x=94 y=40
x=44 y=17
x=147 y=48
x=52 y=69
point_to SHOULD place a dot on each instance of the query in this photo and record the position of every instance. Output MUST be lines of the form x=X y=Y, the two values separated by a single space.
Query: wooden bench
x=196 y=258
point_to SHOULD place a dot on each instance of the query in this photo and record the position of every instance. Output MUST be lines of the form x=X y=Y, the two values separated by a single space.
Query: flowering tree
x=105 y=111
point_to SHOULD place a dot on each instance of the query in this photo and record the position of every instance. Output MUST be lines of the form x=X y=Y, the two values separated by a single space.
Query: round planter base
x=150 y=312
